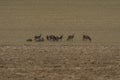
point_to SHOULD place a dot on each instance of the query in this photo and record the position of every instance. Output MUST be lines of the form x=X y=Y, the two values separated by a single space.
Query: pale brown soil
x=60 y=62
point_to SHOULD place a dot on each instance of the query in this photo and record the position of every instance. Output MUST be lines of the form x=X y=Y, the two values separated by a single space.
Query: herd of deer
x=54 y=38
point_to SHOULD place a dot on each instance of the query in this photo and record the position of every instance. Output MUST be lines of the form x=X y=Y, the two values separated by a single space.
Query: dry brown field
x=60 y=62
x=74 y=60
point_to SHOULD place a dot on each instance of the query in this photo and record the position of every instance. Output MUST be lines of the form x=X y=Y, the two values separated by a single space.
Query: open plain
x=60 y=62
x=22 y=20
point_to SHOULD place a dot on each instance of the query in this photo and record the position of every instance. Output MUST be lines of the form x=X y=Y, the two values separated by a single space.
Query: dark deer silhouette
x=51 y=38
x=86 y=38
x=54 y=38
x=59 y=38
x=70 y=37
x=29 y=40
x=39 y=39
x=36 y=37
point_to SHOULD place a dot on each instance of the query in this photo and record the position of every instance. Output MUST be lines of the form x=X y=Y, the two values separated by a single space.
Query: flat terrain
x=60 y=62
x=74 y=60
x=22 y=19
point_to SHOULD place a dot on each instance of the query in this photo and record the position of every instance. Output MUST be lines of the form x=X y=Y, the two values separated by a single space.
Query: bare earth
x=60 y=62
x=77 y=60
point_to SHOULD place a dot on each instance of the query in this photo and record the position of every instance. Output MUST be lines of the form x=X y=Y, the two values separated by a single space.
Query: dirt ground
x=60 y=62
x=77 y=60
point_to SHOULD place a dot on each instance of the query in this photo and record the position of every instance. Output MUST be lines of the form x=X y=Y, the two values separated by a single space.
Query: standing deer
x=70 y=37
x=59 y=38
x=86 y=38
